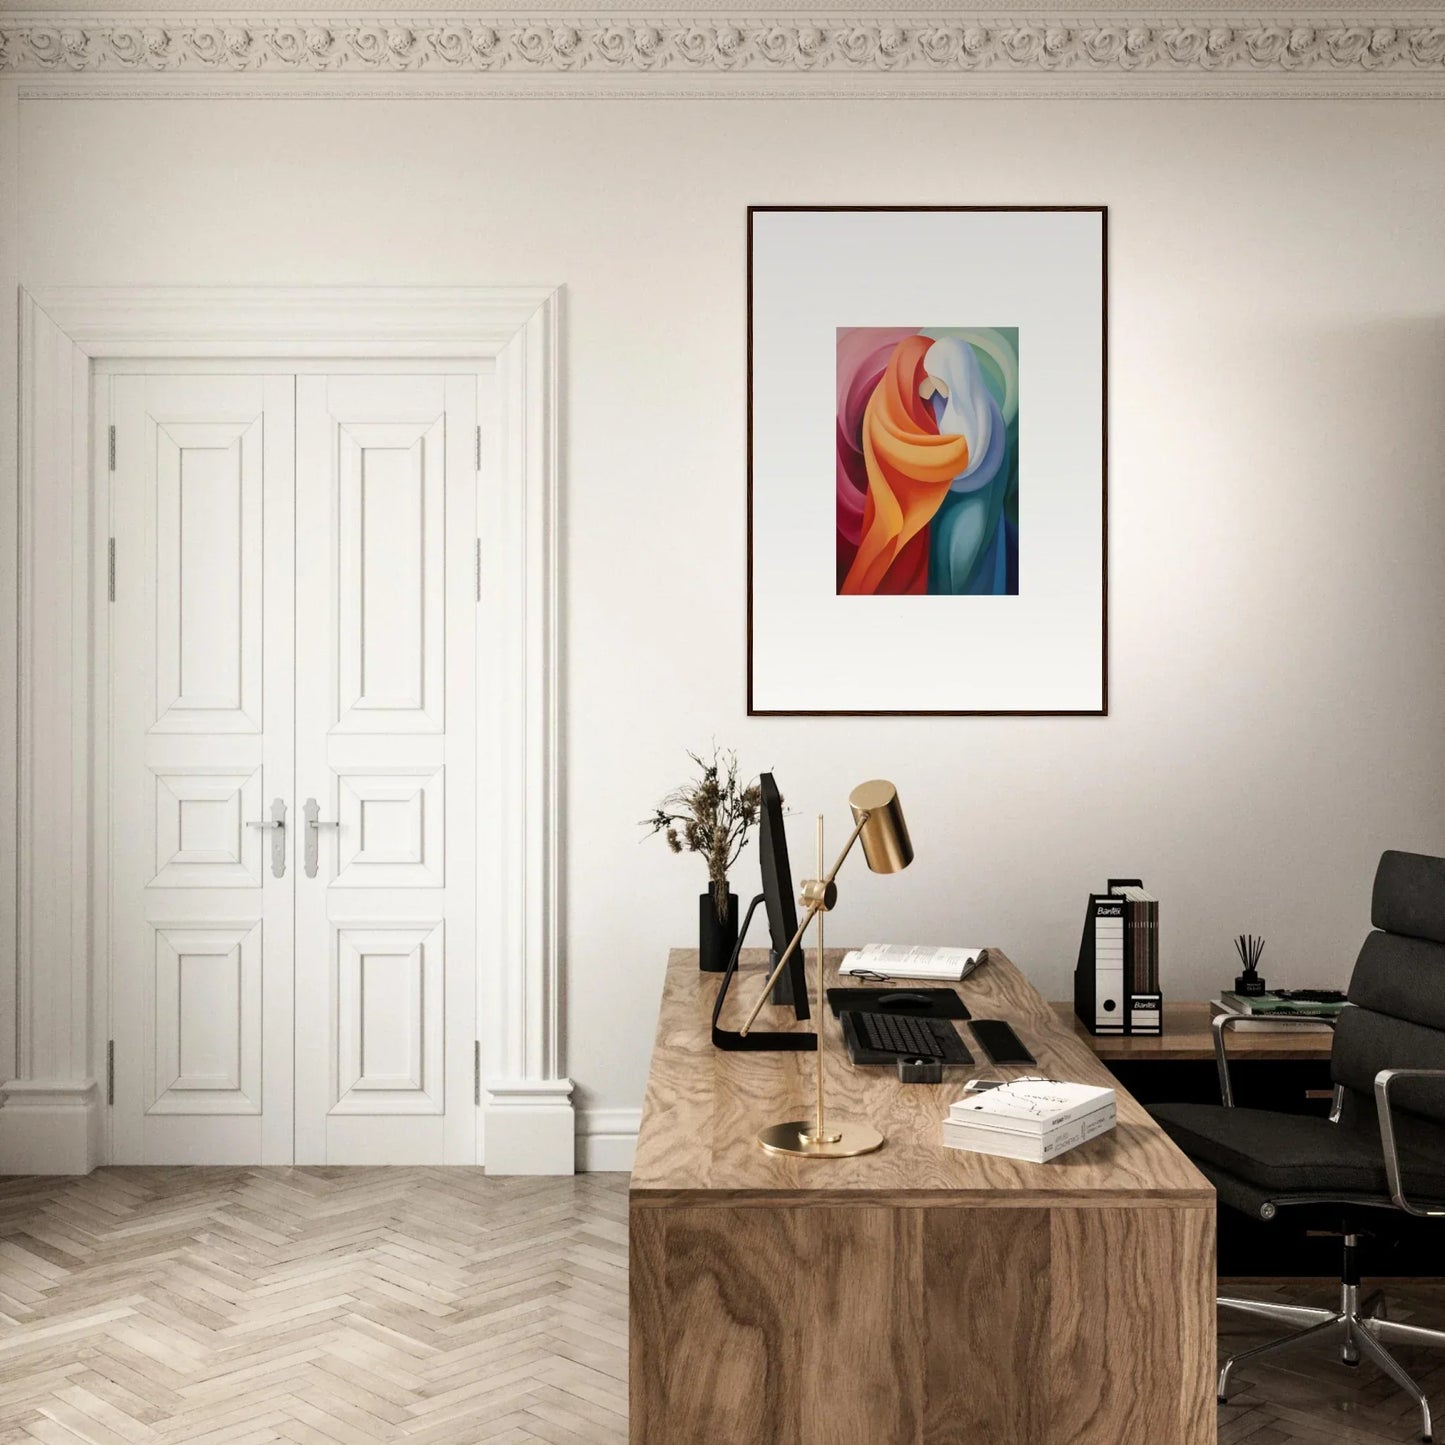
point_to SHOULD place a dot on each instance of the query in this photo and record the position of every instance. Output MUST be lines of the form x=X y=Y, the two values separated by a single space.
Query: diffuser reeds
x=1249 y=948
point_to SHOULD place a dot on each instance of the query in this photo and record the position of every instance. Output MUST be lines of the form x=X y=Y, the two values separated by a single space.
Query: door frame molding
x=52 y=1115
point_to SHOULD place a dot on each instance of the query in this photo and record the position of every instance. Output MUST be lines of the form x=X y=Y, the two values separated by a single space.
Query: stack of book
x=1262 y=1011
x=1032 y=1119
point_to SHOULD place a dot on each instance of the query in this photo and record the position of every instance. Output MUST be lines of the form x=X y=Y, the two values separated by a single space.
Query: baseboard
x=49 y=1127
x=55 y=1129
x=607 y=1139
x=530 y=1127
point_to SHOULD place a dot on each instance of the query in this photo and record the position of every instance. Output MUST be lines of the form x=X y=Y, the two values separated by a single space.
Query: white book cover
x=1034 y=1148
x=1031 y=1105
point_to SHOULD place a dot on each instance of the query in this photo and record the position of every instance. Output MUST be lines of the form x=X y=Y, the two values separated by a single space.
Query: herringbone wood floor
x=235 y=1306
x=351 y=1306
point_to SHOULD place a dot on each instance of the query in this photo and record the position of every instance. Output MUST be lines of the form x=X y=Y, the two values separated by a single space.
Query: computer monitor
x=777 y=898
x=791 y=987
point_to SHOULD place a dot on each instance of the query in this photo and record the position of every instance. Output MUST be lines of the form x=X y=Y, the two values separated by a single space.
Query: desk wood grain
x=704 y=1107
x=919 y=1295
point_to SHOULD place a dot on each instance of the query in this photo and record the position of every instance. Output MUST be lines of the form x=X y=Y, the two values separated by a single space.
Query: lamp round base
x=795 y=1137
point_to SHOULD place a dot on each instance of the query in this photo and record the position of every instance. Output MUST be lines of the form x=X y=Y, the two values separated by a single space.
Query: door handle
x=314 y=824
x=276 y=822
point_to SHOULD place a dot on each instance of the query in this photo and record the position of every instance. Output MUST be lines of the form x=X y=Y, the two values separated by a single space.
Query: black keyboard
x=897 y=1036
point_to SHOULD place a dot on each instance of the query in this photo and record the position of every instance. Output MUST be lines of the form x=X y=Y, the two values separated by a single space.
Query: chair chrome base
x=1360 y=1326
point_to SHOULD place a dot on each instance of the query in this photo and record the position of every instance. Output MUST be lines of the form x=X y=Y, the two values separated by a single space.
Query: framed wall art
x=927 y=460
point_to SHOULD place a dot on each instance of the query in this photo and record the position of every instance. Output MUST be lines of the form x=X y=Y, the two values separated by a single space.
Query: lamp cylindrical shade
x=885 y=840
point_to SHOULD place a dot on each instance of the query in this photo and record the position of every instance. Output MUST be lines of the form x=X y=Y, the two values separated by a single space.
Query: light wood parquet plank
x=317 y=1306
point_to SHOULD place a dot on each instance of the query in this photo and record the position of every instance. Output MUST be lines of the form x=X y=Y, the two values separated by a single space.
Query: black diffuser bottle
x=1249 y=984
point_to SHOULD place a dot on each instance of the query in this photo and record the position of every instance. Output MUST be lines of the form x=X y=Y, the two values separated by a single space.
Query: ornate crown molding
x=1354 y=52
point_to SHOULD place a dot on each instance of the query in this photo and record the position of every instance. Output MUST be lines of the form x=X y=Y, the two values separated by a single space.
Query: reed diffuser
x=1249 y=948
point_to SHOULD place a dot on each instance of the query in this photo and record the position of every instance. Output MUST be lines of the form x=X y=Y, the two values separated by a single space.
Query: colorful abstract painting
x=928 y=461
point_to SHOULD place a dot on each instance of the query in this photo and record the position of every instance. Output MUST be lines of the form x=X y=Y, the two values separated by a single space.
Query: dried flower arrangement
x=712 y=815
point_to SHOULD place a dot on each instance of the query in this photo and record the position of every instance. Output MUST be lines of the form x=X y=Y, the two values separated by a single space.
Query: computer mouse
x=903 y=999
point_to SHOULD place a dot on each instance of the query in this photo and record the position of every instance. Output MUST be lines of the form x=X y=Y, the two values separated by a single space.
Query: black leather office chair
x=1381 y=1153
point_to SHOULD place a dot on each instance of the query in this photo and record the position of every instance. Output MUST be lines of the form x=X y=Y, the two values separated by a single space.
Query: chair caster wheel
x=1353 y=1364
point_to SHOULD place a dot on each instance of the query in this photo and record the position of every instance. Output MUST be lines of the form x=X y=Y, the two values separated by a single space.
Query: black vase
x=716 y=937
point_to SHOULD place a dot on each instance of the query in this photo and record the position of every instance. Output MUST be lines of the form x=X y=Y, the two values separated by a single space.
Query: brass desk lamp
x=878 y=823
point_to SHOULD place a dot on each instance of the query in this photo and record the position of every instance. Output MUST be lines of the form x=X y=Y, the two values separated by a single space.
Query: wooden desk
x=1187 y=1037
x=919 y=1293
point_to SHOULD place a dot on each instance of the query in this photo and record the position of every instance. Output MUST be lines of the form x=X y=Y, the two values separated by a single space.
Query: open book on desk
x=903 y=960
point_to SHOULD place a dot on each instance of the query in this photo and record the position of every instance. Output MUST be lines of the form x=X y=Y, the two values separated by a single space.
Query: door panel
x=201 y=834
x=389 y=1024
x=207 y=1038
x=208 y=482
x=392 y=829
x=201 y=703
x=385 y=928
x=389 y=544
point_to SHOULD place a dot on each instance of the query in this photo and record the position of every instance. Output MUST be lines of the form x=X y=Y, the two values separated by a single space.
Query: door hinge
x=110 y=569
x=479 y=449
x=479 y=569
x=110 y=1072
x=111 y=445
x=477 y=1072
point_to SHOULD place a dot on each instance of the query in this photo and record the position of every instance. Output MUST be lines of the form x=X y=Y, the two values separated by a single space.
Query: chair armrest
x=1222 y=1023
x=1383 y=1080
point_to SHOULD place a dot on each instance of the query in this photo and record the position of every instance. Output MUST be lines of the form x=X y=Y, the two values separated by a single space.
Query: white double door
x=292 y=767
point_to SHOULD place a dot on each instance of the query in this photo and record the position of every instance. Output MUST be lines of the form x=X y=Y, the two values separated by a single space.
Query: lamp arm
x=813 y=911
x=847 y=849
x=788 y=952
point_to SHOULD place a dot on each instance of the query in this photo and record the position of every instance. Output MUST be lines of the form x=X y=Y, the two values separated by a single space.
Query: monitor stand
x=756 y=1040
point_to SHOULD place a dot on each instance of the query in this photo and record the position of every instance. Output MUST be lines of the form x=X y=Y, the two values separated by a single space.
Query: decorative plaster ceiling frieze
x=1405 y=55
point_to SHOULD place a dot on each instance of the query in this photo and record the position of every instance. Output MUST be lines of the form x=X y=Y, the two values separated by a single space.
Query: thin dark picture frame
x=1103 y=709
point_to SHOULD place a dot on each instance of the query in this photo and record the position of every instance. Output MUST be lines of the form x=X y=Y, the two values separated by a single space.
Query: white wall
x=1277 y=480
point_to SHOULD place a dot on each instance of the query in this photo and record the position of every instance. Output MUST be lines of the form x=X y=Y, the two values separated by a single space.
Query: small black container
x=1249 y=985
x=716 y=937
